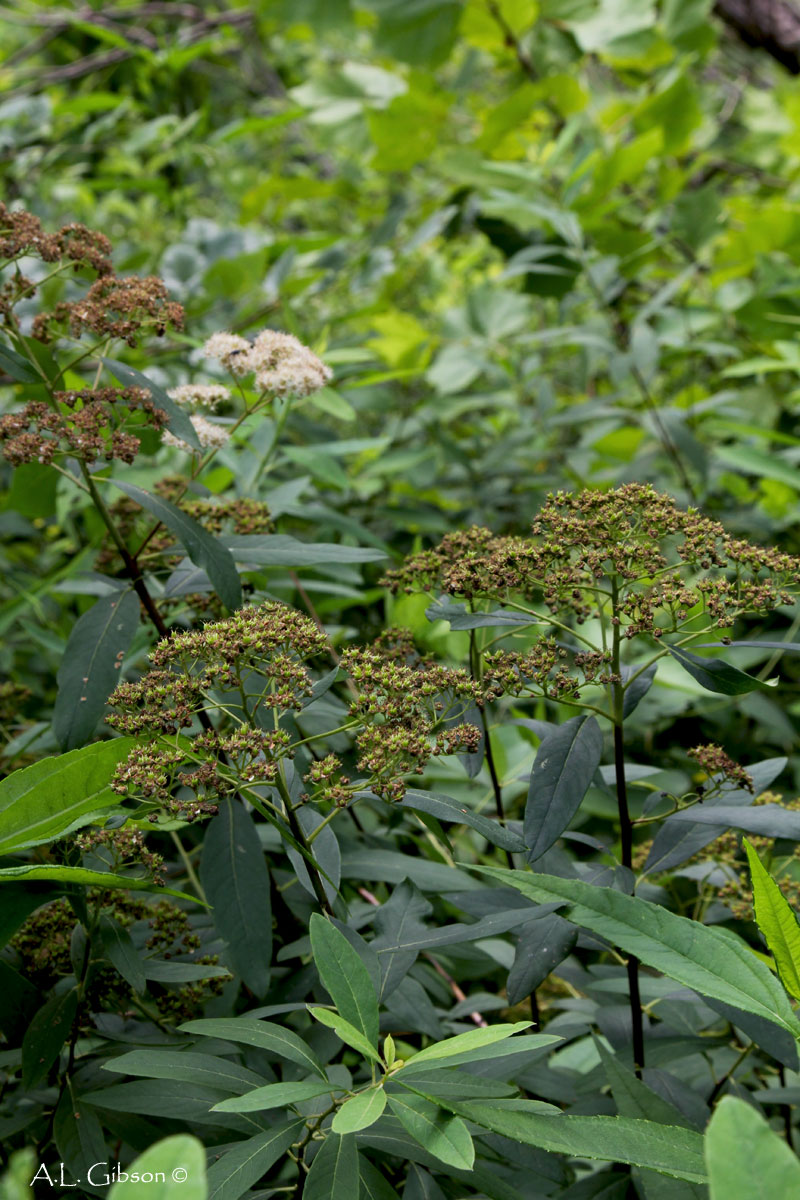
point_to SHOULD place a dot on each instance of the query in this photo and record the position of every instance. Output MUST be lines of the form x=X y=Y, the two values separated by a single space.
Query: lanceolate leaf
x=543 y=944
x=678 y=840
x=204 y=550
x=184 y=1066
x=767 y=820
x=460 y=1046
x=178 y=422
x=274 y=1039
x=238 y=1169
x=46 y=1034
x=89 y=671
x=57 y=795
x=444 y=1136
x=712 y=962
x=17 y=366
x=715 y=675
x=565 y=764
x=446 y=809
x=746 y=1159
x=334 y=1173
x=346 y=1032
x=777 y=922
x=345 y=977
x=236 y=882
x=282 y=550
x=86 y=878
x=119 y=947
x=275 y=1095
x=664 y=1148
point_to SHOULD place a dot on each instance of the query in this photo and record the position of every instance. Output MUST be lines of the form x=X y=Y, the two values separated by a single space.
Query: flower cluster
x=210 y=435
x=543 y=671
x=22 y=235
x=114 y=307
x=282 y=365
x=659 y=563
x=329 y=784
x=125 y=848
x=86 y=424
x=210 y=396
x=42 y=952
x=268 y=643
x=408 y=714
x=152 y=773
x=714 y=761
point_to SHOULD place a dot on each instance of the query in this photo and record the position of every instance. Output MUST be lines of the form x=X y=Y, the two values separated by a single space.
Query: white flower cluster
x=282 y=365
x=209 y=435
x=200 y=395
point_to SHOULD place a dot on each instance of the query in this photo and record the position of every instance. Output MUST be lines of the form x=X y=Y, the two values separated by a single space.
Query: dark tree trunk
x=771 y=25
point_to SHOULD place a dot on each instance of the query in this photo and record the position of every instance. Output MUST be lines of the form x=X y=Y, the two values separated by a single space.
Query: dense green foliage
x=399 y=600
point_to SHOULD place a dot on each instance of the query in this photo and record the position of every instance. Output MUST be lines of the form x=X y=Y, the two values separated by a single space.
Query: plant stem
x=475 y=672
x=132 y=568
x=625 y=826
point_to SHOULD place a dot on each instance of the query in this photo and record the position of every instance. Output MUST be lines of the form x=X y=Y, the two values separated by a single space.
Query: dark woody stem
x=625 y=823
x=132 y=568
x=474 y=668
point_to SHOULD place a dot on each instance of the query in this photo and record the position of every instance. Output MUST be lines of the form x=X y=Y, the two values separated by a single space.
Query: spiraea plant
x=606 y=586
x=268 y=899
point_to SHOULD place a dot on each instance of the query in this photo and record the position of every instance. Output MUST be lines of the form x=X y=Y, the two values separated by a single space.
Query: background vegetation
x=541 y=246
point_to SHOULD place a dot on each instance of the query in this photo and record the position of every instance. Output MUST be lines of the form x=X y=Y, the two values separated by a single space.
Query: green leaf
x=360 y=1111
x=164 y=971
x=634 y=1098
x=461 y=1046
x=237 y=1170
x=765 y=820
x=713 y=962
x=281 y=550
x=346 y=1032
x=459 y=617
x=444 y=1136
x=667 y=1149
x=55 y=796
x=78 y=1135
x=715 y=675
x=562 y=771
x=274 y=1039
x=17 y=905
x=89 y=670
x=777 y=922
x=48 y=1031
x=17 y=366
x=86 y=878
x=204 y=550
x=543 y=944
x=178 y=422
x=121 y=952
x=184 y=1066
x=180 y=1159
x=275 y=1095
x=746 y=1159
x=236 y=882
x=444 y=808
x=334 y=1173
x=345 y=977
